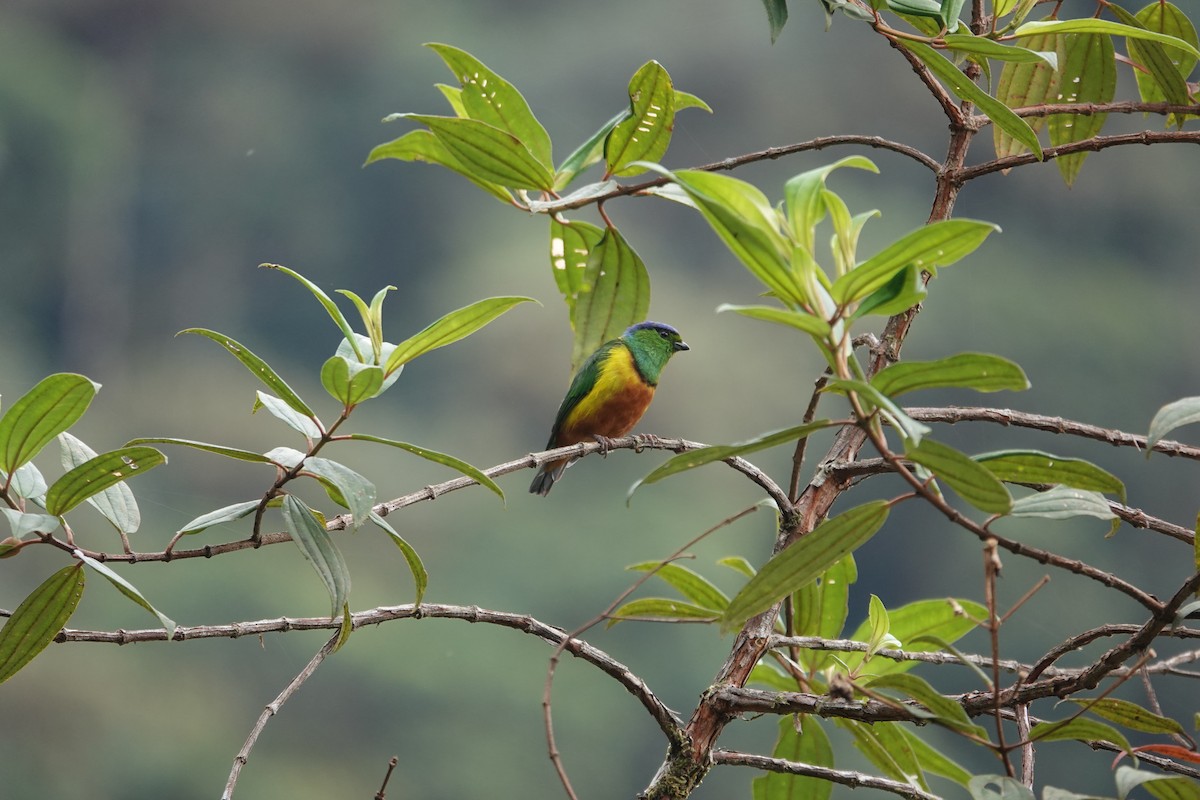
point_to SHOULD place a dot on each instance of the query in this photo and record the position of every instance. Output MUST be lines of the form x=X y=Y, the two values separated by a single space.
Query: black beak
x=681 y=345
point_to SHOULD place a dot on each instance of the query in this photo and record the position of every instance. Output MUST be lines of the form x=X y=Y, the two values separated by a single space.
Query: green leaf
x=804 y=560
x=325 y=300
x=896 y=417
x=423 y=145
x=1130 y=715
x=809 y=746
x=971 y=480
x=1155 y=783
x=1000 y=114
x=1103 y=26
x=115 y=503
x=902 y=292
x=917 y=625
x=286 y=457
x=307 y=426
x=950 y=13
x=350 y=382
x=39 y=618
x=1024 y=84
x=990 y=48
x=24 y=523
x=615 y=294
x=979 y=371
x=882 y=745
x=489 y=98
x=1034 y=466
x=805 y=201
x=228 y=452
x=646 y=133
x=937 y=244
x=800 y=320
x=318 y=548
x=1087 y=74
x=820 y=608
x=27 y=482
x=771 y=677
x=777 y=14
x=932 y=760
x=738 y=564
x=488 y=153
x=944 y=709
x=219 y=517
x=1079 y=729
x=586 y=154
x=261 y=369
x=998 y=787
x=1171 y=416
x=453 y=463
x=917 y=8
x=1160 y=84
x=707 y=455
x=877 y=618
x=690 y=584
x=743 y=218
x=129 y=590
x=571 y=244
x=357 y=492
x=450 y=328
x=97 y=474
x=1063 y=502
x=45 y=411
x=661 y=608
x=415 y=565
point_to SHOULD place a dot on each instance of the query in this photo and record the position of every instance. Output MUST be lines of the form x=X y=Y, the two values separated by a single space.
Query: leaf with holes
x=1087 y=74
x=115 y=503
x=615 y=294
x=646 y=133
x=487 y=97
x=97 y=474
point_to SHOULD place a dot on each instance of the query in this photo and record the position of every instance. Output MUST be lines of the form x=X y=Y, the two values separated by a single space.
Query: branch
x=1095 y=144
x=1090 y=109
x=272 y=708
x=768 y=154
x=844 y=777
x=375 y=616
x=637 y=443
x=1021 y=419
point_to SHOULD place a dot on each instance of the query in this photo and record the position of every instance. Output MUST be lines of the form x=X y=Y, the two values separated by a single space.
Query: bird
x=610 y=392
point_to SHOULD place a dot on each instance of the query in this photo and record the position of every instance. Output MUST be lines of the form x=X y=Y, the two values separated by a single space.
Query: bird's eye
x=664 y=334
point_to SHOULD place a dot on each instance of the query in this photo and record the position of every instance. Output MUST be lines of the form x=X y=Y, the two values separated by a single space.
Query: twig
x=1060 y=425
x=382 y=793
x=1094 y=144
x=272 y=709
x=840 y=776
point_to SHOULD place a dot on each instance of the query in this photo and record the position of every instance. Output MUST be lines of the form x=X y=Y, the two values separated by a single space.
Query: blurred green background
x=152 y=154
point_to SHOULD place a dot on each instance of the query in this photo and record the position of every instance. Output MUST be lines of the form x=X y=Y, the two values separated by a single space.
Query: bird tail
x=542 y=483
x=545 y=479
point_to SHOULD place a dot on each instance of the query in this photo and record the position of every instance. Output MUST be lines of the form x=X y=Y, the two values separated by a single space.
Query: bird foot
x=606 y=444
x=644 y=440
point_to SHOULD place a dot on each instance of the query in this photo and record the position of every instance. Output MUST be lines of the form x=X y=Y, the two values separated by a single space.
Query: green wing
x=582 y=384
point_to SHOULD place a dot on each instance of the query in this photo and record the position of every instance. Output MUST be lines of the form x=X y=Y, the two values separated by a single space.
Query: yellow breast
x=613 y=406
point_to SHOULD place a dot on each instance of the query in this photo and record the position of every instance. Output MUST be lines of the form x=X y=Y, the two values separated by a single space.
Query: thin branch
x=1061 y=425
x=637 y=443
x=1091 y=109
x=843 y=777
x=272 y=709
x=1094 y=144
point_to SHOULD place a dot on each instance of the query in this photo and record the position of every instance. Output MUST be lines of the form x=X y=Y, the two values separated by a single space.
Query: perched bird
x=610 y=392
